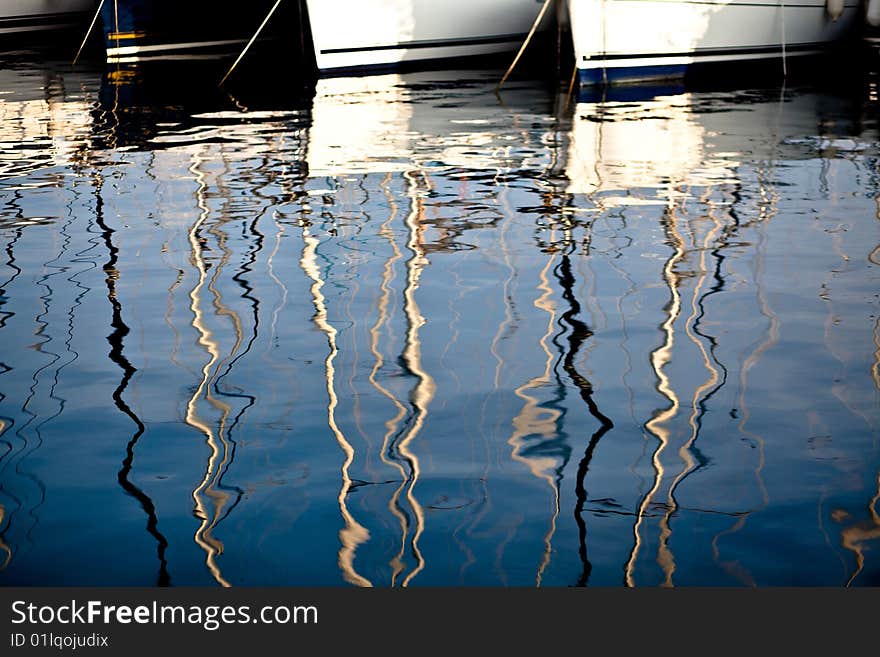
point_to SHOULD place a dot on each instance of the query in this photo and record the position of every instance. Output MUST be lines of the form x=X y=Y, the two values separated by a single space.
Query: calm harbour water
x=401 y=331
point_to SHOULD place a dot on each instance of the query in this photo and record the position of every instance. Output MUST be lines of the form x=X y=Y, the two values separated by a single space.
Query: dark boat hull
x=136 y=30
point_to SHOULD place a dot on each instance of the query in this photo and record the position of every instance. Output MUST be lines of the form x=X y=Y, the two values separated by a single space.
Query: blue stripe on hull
x=630 y=74
x=738 y=59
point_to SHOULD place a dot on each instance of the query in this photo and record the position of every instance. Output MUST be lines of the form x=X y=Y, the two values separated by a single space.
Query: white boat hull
x=358 y=34
x=639 y=40
x=22 y=16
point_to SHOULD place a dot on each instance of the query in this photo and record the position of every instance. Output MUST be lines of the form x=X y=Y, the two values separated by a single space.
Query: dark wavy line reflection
x=10 y=262
x=247 y=293
x=28 y=446
x=7 y=423
x=59 y=265
x=577 y=333
x=116 y=341
x=702 y=406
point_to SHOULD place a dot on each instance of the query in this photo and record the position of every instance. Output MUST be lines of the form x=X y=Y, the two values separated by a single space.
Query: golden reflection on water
x=648 y=166
x=362 y=126
x=353 y=534
x=380 y=327
x=857 y=536
x=55 y=123
x=657 y=425
x=665 y=555
x=215 y=437
x=44 y=122
x=3 y=546
x=535 y=420
x=875 y=367
x=659 y=155
x=425 y=388
x=874 y=258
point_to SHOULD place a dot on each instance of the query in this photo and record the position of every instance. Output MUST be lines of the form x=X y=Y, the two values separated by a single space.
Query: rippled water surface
x=403 y=331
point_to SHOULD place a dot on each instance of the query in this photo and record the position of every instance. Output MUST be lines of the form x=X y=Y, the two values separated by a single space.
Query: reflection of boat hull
x=23 y=16
x=136 y=30
x=356 y=34
x=637 y=40
x=872 y=12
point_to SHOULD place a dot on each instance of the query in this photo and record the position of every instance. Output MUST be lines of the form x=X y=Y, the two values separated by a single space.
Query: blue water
x=404 y=331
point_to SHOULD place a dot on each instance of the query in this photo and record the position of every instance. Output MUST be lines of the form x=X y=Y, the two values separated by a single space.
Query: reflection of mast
x=535 y=420
x=236 y=354
x=766 y=212
x=10 y=262
x=280 y=233
x=701 y=393
x=270 y=265
x=353 y=534
x=215 y=500
x=468 y=523
x=832 y=320
x=4 y=548
x=217 y=444
x=578 y=333
x=411 y=359
x=875 y=367
x=14 y=459
x=391 y=426
x=855 y=537
x=116 y=340
x=657 y=425
x=505 y=331
x=7 y=423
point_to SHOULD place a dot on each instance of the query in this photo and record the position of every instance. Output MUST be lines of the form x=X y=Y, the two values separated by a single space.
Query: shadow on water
x=137 y=103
